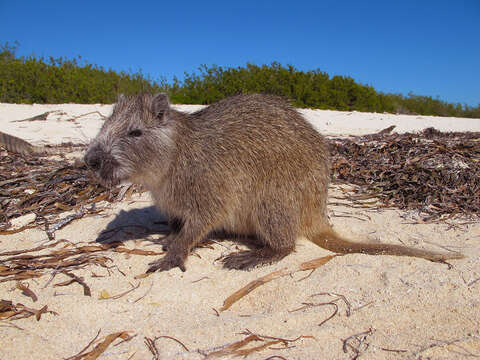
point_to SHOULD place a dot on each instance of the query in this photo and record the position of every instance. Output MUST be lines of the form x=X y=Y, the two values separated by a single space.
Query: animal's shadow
x=141 y=223
x=135 y=224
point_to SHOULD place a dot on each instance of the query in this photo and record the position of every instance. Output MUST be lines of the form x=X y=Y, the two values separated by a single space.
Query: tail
x=330 y=240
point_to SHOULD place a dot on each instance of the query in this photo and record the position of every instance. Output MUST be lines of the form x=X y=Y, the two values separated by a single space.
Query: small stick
x=473 y=282
x=340 y=296
x=126 y=339
x=9 y=324
x=306 y=305
x=346 y=345
x=141 y=297
x=393 y=350
x=333 y=314
x=172 y=338
x=362 y=306
x=306 y=277
x=115 y=297
x=153 y=348
x=52 y=276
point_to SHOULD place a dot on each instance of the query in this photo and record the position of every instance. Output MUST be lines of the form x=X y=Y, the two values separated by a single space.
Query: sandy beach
x=378 y=307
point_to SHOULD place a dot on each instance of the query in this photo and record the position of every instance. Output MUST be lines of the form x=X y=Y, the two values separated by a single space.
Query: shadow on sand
x=134 y=224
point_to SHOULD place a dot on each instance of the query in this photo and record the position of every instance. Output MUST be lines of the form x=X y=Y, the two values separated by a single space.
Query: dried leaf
x=104 y=295
x=237 y=295
x=100 y=348
x=19 y=311
x=26 y=291
x=235 y=349
x=79 y=280
x=232 y=348
x=313 y=264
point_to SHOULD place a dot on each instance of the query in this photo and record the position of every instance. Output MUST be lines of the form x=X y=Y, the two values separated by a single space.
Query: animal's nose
x=93 y=160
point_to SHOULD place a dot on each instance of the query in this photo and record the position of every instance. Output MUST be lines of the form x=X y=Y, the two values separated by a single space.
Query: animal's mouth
x=105 y=168
x=108 y=182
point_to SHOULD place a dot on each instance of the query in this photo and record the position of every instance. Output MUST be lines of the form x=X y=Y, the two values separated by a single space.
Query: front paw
x=168 y=262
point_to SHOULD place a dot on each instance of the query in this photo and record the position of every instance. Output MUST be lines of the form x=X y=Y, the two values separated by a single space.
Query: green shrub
x=38 y=80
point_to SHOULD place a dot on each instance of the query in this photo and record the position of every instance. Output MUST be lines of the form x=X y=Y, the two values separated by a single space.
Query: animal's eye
x=135 y=133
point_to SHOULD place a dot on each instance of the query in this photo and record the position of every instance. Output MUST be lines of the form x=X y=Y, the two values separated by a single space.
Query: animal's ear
x=160 y=106
x=120 y=98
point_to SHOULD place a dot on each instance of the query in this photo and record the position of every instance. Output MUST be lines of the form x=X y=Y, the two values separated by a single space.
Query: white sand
x=422 y=310
x=57 y=128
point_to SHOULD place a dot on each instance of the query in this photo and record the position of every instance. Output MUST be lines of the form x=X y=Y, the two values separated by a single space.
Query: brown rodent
x=249 y=165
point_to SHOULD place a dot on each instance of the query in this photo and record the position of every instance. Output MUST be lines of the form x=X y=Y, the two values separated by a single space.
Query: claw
x=242 y=260
x=167 y=263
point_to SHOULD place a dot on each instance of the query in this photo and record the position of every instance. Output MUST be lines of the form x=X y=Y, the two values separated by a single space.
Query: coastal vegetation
x=59 y=80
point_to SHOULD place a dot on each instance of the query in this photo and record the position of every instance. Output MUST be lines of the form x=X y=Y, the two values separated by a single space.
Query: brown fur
x=249 y=165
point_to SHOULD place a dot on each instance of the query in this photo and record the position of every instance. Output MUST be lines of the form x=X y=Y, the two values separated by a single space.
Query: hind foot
x=246 y=260
x=242 y=260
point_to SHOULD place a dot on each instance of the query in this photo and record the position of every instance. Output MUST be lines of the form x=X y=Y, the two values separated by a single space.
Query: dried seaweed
x=26 y=291
x=437 y=173
x=447 y=345
x=63 y=222
x=308 y=265
x=76 y=279
x=48 y=187
x=153 y=347
x=237 y=348
x=331 y=303
x=331 y=316
x=33 y=263
x=357 y=343
x=100 y=348
x=19 y=311
x=434 y=172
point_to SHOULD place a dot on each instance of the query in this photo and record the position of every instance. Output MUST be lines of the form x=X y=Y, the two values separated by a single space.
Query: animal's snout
x=93 y=162
x=93 y=159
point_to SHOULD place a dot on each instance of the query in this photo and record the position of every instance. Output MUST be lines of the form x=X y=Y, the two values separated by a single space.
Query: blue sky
x=426 y=47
